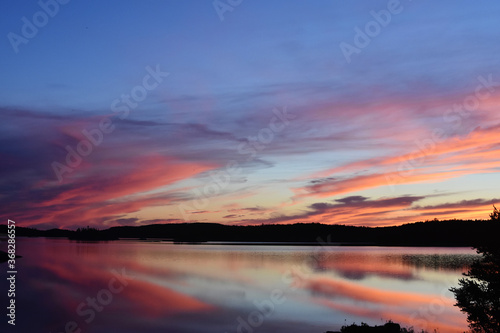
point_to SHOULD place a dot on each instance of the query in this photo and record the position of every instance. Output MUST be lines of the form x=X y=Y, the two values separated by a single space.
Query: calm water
x=131 y=286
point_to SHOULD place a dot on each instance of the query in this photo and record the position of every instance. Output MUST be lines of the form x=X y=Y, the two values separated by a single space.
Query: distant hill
x=430 y=233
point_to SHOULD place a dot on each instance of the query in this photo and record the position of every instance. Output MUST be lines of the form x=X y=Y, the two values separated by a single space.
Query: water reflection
x=478 y=294
x=158 y=287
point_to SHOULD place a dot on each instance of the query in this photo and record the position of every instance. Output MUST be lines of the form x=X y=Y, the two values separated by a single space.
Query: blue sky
x=354 y=125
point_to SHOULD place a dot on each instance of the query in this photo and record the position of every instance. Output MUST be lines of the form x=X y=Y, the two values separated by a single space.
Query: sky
x=242 y=112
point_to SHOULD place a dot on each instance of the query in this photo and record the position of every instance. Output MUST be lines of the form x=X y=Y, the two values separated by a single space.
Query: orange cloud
x=90 y=198
x=155 y=301
x=478 y=152
x=411 y=309
x=360 y=267
x=144 y=297
x=451 y=323
x=366 y=294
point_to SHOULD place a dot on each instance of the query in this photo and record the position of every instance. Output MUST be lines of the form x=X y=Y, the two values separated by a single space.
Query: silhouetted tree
x=478 y=293
x=389 y=327
x=91 y=234
x=495 y=216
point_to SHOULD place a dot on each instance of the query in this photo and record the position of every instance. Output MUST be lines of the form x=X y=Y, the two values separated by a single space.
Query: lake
x=139 y=286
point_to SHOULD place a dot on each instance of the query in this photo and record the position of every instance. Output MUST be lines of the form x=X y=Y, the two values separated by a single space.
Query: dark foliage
x=429 y=233
x=495 y=216
x=389 y=327
x=91 y=234
x=478 y=294
x=4 y=256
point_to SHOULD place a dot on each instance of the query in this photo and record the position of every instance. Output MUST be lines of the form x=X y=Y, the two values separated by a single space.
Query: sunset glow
x=167 y=113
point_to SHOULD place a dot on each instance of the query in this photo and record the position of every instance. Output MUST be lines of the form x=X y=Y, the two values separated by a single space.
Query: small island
x=91 y=234
x=465 y=233
x=4 y=256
